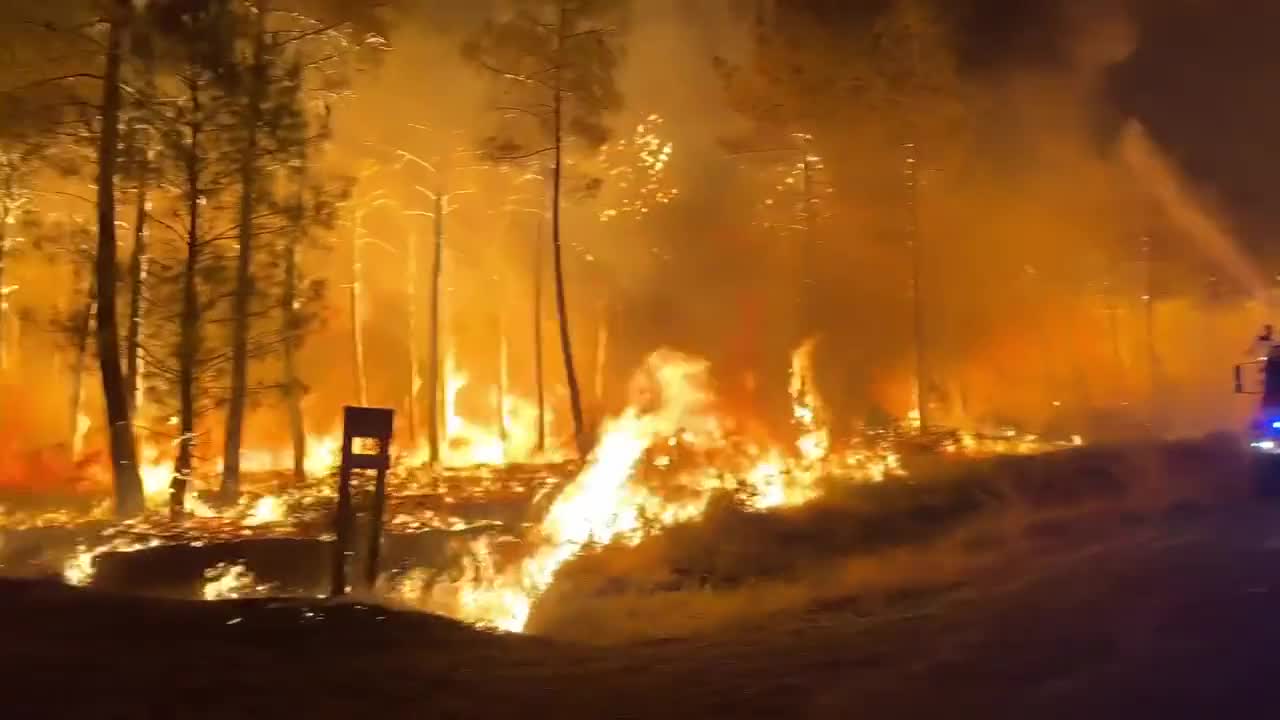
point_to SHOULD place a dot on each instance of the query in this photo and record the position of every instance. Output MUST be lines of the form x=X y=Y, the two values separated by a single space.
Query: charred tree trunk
x=562 y=310
x=137 y=278
x=189 y=326
x=244 y=265
x=433 y=370
x=292 y=331
x=124 y=464
x=537 y=340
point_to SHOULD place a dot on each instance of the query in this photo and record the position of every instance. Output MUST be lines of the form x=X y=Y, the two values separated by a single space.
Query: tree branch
x=515 y=76
x=311 y=33
x=512 y=158
x=593 y=31
x=526 y=111
x=50 y=81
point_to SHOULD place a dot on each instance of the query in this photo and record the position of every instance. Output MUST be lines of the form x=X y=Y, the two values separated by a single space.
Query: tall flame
x=806 y=406
x=669 y=396
x=511 y=437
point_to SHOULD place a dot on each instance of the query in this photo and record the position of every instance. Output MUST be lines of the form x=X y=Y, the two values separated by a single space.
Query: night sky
x=1202 y=80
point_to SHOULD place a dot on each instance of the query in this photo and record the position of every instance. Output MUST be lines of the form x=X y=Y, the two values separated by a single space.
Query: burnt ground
x=1175 y=616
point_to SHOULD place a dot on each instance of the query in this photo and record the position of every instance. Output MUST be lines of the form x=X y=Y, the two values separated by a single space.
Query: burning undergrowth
x=886 y=548
x=665 y=461
x=485 y=544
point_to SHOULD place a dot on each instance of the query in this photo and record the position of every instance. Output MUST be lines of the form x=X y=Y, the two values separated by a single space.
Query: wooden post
x=375 y=530
x=366 y=445
x=342 y=529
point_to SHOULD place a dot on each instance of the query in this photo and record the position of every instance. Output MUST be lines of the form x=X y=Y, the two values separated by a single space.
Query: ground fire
x=661 y=461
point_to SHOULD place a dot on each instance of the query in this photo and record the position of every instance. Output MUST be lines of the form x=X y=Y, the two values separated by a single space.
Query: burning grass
x=894 y=547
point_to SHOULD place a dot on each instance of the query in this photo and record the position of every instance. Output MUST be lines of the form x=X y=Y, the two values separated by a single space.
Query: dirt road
x=1178 y=618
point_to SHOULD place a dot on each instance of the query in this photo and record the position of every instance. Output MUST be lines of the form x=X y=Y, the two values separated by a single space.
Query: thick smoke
x=1157 y=175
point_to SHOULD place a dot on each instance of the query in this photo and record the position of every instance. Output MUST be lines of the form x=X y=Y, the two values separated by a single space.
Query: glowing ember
x=268 y=509
x=80 y=568
x=229 y=581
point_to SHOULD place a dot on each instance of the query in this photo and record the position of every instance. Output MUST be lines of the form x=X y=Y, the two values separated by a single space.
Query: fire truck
x=1262 y=378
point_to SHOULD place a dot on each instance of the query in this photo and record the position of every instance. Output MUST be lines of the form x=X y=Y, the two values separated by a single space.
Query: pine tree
x=556 y=62
x=197 y=131
x=128 y=483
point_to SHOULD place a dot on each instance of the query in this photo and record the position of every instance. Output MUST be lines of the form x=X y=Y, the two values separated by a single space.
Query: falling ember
x=637 y=165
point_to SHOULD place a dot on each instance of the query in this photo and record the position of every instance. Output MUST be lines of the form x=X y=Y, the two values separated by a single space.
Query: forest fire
x=692 y=357
x=855 y=288
x=662 y=461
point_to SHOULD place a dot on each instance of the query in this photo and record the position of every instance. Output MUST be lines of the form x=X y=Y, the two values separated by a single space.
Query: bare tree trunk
x=433 y=361
x=128 y=484
x=1113 y=328
x=188 y=345
x=84 y=325
x=917 y=286
x=292 y=329
x=537 y=339
x=189 y=326
x=137 y=279
x=357 y=372
x=1153 y=357
x=602 y=354
x=244 y=266
x=411 y=298
x=562 y=310
x=502 y=384
x=810 y=300
x=357 y=311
